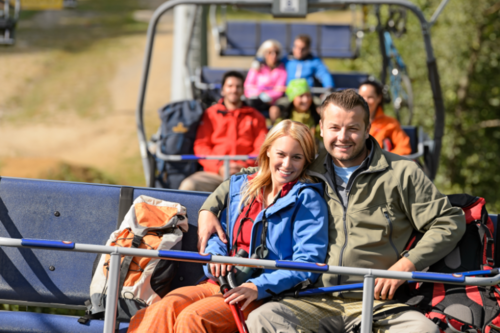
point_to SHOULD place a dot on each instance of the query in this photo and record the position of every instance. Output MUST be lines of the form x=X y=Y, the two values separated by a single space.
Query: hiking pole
x=235 y=308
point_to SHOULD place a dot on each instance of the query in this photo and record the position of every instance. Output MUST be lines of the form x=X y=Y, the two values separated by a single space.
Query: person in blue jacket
x=303 y=65
x=276 y=213
x=280 y=195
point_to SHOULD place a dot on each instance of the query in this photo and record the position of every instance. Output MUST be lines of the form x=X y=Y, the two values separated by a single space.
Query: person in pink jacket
x=266 y=80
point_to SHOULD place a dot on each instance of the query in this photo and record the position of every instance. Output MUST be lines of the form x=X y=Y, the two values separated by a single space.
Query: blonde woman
x=277 y=213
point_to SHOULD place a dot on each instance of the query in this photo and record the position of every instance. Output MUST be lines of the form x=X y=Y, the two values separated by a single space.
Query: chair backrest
x=412 y=132
x=342 y=80
x=214 y=75
x=83 y=213
x=243 y=38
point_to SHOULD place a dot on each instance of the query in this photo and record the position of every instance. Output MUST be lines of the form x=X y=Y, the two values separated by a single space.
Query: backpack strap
x=136 y=242
x=126 y=200
x=497 y=236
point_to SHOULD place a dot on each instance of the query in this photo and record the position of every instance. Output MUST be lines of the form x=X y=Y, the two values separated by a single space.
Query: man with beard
x=229 y=127
x=376 y=200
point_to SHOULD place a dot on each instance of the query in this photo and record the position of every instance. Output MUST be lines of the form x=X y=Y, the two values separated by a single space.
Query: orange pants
x=198 y=308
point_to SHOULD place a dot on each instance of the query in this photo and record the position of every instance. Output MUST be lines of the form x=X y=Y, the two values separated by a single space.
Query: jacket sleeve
x=322 y=74
x=216 y=246
x=431 y=213
x=279 y=85
x=400 y=140
x=203 y=144
x=217 y=201
x=251 y=89
x=310 y=244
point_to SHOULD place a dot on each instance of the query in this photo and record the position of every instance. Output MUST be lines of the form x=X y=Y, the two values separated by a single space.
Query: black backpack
x=458 y=307
x=179 y=123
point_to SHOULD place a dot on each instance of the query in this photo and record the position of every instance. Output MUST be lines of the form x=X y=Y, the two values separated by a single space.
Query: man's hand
x=247 y=292
x=233 y=168
x=208 y=224
x=385 y=288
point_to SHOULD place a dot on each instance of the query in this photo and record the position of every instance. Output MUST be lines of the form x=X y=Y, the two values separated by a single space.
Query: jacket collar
x=221 y=107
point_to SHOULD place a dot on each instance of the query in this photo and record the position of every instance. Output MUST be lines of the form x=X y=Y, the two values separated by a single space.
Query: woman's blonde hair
x=264 y=47
x=295 y=130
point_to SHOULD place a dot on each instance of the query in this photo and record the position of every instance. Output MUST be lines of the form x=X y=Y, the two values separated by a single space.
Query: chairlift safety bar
x=368 y=274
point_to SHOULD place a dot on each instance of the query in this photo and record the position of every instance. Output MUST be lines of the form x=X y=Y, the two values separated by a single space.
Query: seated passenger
x=386 y=130
x=303 y=65
x=301 y=107
x=229 y=127
x=265 y=81
x=297 y=214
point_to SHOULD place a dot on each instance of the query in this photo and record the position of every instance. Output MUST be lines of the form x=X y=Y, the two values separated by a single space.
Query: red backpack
x=458 y=308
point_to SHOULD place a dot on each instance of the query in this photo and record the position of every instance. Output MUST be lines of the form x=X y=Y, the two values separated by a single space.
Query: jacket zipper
x=348 y=192
x=390 y=234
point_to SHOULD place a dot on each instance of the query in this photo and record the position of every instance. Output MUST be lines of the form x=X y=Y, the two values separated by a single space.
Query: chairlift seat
x=86 y=213
x=348 y=80
x=412 y=132
x=7 y=23
x=243 y=38
x=213 y=76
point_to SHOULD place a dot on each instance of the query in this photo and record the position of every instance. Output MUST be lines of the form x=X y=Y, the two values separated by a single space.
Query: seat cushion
x=49 y=323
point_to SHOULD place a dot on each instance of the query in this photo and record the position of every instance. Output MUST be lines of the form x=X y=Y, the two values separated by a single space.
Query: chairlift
x=243 y=38
x=9 y=14
x=205 y=78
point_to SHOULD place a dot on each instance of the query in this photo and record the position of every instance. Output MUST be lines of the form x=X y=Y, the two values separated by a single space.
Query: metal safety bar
x=425 y=29
x=368 y=274
x=225 y=158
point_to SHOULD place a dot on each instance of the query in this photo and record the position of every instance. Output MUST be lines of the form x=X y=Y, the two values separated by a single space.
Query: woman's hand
x=219 y=269
x=247 y=291
x=208 y=224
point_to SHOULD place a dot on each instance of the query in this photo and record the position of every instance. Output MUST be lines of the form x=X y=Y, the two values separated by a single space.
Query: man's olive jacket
x=386 y=202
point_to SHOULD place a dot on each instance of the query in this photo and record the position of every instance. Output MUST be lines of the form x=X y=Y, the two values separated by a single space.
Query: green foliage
x=466 y=41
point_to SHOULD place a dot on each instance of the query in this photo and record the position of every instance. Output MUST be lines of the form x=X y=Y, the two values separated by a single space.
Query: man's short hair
x=348 y=100
x=235 y=74
x=305 y=39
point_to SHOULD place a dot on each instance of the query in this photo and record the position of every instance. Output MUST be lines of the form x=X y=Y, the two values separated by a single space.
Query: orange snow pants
x=198 y=308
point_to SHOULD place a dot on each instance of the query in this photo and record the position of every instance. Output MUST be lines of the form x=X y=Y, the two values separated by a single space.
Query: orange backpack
x=149 y=224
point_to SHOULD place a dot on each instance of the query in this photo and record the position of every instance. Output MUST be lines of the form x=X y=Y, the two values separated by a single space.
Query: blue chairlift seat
x=243 y=38
x=86 y=213
x=412 y=132
x=213 y=78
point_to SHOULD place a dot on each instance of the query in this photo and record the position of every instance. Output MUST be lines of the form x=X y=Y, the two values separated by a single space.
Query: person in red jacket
x=386 y=130
x=229 y=127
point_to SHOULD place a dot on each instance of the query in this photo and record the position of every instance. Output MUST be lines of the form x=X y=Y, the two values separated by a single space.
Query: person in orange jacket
x=229 y=127
x=386 y=130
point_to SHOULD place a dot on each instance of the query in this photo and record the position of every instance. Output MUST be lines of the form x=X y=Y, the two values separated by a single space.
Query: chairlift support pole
x=425 y=27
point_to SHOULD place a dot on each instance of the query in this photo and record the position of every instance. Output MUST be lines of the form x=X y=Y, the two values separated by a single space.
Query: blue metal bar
x=185 y=256
x=301 y=266
x=457 y=277
x=48 y=244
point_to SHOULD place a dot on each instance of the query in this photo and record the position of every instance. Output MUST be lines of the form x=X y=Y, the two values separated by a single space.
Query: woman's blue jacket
x=297 y=230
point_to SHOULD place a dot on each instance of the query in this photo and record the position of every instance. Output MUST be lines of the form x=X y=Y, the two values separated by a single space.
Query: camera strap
x=234 y=247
